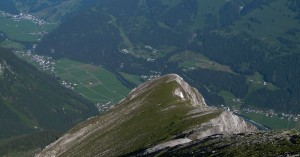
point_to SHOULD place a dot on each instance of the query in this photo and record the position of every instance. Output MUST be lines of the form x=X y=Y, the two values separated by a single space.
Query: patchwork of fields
x=92 y=82
x=103 y=88
x=274 y=122
x=22 y=30
x=95 y=83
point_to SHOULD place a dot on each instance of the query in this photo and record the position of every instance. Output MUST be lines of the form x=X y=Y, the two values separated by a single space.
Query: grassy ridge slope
x=148 y=115
x=161 y=110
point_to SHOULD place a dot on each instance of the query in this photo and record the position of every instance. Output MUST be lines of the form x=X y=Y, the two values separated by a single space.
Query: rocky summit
x=162 y=113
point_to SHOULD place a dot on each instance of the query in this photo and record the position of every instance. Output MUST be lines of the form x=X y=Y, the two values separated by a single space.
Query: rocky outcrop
x=227 y=122
x=186 y=92
x=273 y=143
x=5 y=67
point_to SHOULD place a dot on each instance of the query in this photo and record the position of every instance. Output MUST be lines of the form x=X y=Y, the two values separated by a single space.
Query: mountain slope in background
x=50 y=10
x=165 y=111
x=32 y=101
x=138 y=37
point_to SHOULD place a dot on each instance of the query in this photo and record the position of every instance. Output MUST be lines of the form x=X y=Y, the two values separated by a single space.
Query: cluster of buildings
x=154 y=51
x=272 y=113
x=42 y=33
x=22 y=16
x=259 y=82
x=68 y=84
x=45 y=63
x=147 y=48
x=104 y=107
x=154 y=74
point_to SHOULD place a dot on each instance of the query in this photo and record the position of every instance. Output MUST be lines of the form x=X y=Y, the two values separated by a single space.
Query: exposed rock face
x=156 y=113
x=1 y=69
x=4 y=66
x=186 y=92
x=227 y=122
x=168 y=144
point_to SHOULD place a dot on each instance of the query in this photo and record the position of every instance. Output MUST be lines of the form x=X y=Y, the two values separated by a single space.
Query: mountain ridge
x=153 y=113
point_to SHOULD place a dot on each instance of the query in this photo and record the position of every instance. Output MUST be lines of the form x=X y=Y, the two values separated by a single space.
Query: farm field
x=189 y=59
x=11 y=44
x=93 y=82
x=102 y=87
x=274 y=122
x=24 y=30
x=136 y=80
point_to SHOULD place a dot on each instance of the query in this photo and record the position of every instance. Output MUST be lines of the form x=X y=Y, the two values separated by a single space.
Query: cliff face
x=161 y=113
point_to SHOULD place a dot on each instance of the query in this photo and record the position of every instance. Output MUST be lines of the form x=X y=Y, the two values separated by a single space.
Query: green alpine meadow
x=149 y=78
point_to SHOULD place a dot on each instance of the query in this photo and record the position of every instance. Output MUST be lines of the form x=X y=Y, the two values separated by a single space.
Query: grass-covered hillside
x=32 y=101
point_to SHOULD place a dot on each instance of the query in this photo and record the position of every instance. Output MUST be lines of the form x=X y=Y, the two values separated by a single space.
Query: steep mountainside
x=164 y=111
x=140 y=36
x=32 y=101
